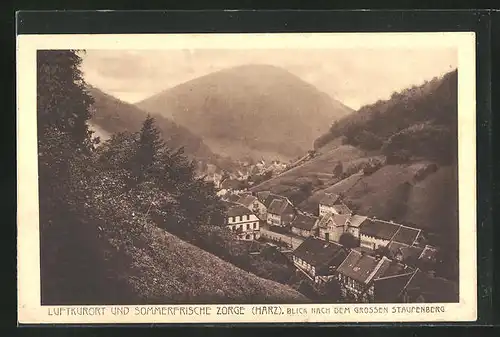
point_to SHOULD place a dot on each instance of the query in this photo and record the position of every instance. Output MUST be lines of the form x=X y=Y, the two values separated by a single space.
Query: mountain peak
x=250 y=110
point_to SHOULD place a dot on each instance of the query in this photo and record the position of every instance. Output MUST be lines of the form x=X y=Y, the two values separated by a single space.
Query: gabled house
x=243 y=222
x=252 y=203
x=318 y=259
x=363 y=277
x=280 y=213
x=303 y=225
x=331 y=226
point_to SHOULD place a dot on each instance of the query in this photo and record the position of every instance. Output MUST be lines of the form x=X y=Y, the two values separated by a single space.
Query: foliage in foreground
x=99 y=242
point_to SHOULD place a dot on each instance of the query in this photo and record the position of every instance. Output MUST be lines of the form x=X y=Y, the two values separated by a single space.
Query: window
x=255 y=225
x=247 y=217
x=327 y=236
x=246 y=227
x=237 y=218
x=247 y=236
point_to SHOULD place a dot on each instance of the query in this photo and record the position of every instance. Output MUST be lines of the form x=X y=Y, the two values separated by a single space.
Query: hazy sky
x=355 y=77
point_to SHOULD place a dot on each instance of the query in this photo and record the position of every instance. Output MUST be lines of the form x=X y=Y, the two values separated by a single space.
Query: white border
x=29 y=308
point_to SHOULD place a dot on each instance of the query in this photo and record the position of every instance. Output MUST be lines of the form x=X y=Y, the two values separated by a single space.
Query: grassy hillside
x=254 y=110
x=165 y=269
x=112 y=115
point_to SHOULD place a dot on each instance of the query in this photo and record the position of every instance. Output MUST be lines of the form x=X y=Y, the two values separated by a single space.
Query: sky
x=355 y=77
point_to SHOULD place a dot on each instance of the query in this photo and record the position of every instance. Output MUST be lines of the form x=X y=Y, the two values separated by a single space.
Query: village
x=371 y=260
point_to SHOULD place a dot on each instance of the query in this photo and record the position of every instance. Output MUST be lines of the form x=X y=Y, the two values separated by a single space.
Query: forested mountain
x=252 y=110
x=113 y=115
x=421 y=120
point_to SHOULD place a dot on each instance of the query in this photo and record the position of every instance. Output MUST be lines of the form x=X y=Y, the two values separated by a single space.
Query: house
x=367 y=278
x=303 y=225
x=326 y=204
x=253 y=203
x=374 y=233
x=280 y=213
x=357 y=273
x=318 y=259
x=243 y=222
x=353 y=223
x=331 y=226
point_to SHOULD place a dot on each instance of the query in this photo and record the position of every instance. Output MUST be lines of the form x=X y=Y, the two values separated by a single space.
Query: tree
x=63 y=103
x=348 y=241
x=149 y=150
x=383 y=251
x=71 y=249
x=338 y=169
x=331 y=291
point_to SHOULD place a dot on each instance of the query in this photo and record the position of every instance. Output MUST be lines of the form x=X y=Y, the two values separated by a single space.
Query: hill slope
x=167 y=270
x=112 y=115
x=256 y=110
x=412 y=136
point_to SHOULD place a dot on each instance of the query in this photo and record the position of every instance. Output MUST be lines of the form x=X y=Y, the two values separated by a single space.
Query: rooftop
x=247 y=200
x=279 y=206
x=356 y=220
x=379 y=229
x=406 y=235
x=363 y=267
x=342 y=209
x=263 y=195
x=320 y=253
x=408 y=252
x=388 y=289
x=305 y=222
x=238 y=210
x=325 y=219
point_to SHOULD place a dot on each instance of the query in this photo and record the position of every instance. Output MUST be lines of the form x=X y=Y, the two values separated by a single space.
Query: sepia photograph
x=169 y=180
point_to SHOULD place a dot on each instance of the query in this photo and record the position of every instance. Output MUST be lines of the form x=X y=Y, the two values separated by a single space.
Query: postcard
x=246 y=178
